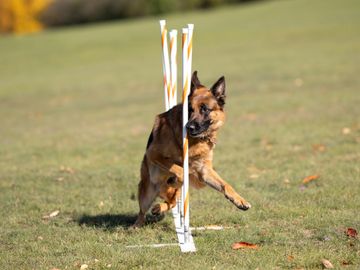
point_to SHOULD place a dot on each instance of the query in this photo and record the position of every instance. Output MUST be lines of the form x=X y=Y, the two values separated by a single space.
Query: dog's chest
x=200 y=151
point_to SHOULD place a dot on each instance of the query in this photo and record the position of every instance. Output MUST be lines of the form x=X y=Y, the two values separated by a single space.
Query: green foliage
x=86 y=98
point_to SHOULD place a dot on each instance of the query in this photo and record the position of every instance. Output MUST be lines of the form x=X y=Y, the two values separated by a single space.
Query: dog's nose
x=190 y=126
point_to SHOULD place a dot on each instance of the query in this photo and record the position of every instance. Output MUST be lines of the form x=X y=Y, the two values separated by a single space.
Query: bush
x=21 y=16
x=66 y=12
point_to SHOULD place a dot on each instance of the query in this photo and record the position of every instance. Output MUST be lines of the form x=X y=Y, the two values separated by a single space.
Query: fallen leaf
x=296 y=147
x=254 y=176
x=310 y=178
x=345 y=263
x=84 y=266
x=308 y=233
x=351 y=232
x=66 y=169
x=319 y=147
x=252 y=169
x=265 y=143
x=238 y=245
x=250 y=116
x=346 y=131
x=327 y=264
x=298 y=82
x=290 y=258
x=286 y=181
x=52 y=214
x=55 y=269
x=108 y=266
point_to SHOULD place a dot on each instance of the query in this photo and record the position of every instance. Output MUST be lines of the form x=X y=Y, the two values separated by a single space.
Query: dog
x=161 y=169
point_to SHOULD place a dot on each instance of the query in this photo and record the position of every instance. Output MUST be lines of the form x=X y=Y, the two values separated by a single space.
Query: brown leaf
x=66 y=169
x=84 y=266
x=238 y=245
x=290 y=258
x=351 y=232
x=327 y=264
x=310 y=178
x=319 y=147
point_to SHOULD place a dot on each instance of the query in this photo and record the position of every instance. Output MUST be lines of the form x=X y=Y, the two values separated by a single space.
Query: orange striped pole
x=165 y=62
x=185 y=82
x=173 y=68
x=187 y=61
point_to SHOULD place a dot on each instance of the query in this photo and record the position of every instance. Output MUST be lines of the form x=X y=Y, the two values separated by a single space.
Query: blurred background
x=25 y=16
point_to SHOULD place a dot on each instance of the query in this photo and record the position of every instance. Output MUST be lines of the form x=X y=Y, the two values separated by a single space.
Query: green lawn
x=77 y=105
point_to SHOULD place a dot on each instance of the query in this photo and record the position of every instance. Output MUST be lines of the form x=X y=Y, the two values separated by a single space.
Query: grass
x=85 y=98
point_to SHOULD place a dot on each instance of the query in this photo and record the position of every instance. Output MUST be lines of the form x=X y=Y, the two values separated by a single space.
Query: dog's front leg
x=211 y=178
x=170 y=166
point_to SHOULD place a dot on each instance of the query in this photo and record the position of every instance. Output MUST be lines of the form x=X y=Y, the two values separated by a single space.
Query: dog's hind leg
x=146 y=194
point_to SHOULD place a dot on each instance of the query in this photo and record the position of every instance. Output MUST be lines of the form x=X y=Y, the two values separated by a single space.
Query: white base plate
x=188 y=246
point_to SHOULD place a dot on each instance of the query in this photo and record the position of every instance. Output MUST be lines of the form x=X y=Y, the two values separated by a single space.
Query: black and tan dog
x=161 y=168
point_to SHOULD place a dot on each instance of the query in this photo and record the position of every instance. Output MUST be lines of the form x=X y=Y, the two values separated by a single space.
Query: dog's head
x=206 y=108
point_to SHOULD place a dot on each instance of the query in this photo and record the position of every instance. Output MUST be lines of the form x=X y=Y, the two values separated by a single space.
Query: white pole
x=173 y=67
x=166 y=65
x=184 y=212
x=186 y=158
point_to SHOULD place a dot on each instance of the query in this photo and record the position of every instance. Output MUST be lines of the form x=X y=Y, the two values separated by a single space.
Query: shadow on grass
x=109 y=222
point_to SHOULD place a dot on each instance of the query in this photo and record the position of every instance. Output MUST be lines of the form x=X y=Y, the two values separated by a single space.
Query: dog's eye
x=204 y=108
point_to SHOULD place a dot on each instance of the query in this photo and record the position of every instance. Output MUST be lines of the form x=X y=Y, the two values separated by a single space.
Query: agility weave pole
x=181 y=211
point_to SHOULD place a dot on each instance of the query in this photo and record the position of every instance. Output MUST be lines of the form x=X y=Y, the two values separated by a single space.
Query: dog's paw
x=156 y=210
x=243 y=205
x=239 y=203
x=138 y=223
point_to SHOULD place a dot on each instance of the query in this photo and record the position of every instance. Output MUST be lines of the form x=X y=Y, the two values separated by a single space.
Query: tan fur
x=161 y=169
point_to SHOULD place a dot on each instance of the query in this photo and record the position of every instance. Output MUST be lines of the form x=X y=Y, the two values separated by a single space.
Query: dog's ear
x=195 y=82
x=218 y=90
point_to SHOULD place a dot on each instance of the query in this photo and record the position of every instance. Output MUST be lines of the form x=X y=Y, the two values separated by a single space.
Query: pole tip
x=162 y=22
x=173 y=33
x=191 y=26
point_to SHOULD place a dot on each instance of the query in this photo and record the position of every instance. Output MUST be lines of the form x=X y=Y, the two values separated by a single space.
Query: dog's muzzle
x=194 y=129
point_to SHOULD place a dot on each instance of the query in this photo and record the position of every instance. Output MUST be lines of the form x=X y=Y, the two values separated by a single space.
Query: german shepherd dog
x=161 y=168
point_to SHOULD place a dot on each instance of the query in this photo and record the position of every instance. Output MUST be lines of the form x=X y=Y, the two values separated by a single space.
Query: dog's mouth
x=196 y=130
x=196 y=134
